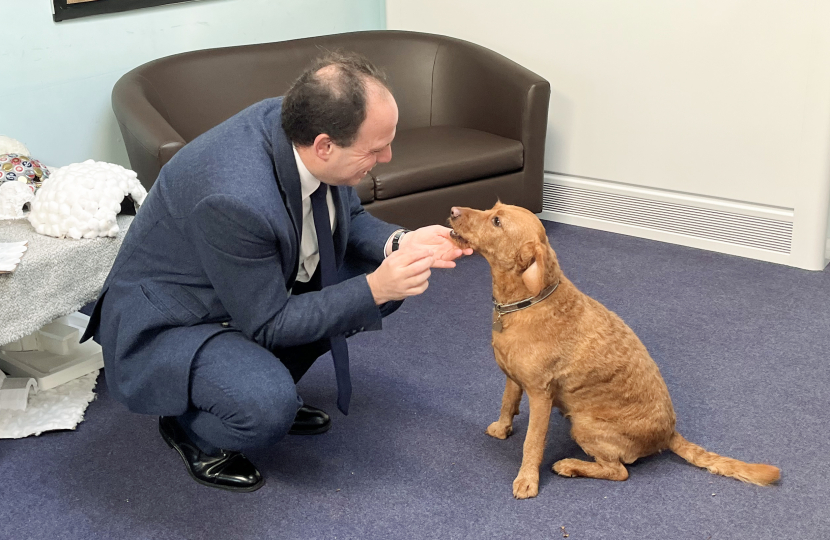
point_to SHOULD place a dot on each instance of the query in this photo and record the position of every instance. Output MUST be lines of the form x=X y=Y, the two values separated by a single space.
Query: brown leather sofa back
x=200 y=89
x=436 y=80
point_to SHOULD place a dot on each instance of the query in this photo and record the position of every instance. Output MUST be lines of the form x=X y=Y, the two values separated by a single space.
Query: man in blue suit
x=219 y=301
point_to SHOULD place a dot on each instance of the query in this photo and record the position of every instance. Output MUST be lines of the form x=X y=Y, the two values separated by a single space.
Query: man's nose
x=386 y=155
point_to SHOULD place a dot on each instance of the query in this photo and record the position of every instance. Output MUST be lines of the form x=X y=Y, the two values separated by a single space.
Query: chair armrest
x=150 y=139
x=476 y=88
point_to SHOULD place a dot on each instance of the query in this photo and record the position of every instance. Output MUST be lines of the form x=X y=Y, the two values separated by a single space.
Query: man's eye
x=496 y=222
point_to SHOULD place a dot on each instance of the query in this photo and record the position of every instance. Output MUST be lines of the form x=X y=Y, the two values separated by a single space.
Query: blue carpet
x=742 y=345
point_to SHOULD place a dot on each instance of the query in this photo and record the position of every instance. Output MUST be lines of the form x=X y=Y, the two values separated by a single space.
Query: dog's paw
x=499 y=431
x=565 y=467
x=525 y=487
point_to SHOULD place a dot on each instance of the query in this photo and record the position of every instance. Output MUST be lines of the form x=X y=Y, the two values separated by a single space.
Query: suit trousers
x=243 y=396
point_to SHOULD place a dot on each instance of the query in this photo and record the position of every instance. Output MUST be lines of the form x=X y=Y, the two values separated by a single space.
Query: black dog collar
x=526 y=303
x=501 y=309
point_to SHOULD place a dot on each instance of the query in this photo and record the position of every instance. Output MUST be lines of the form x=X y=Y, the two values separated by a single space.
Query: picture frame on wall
x=72 y=9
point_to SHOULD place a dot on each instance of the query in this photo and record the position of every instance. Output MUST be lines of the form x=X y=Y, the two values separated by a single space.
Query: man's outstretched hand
x=436 y=239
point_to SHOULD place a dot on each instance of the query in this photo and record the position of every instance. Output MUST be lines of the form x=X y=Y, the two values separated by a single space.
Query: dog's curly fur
x=570 y=352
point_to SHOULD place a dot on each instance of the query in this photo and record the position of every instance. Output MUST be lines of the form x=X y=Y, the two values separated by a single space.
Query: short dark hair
x=331 y=104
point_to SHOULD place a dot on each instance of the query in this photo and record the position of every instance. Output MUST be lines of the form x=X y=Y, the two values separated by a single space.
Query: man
x=250 y=258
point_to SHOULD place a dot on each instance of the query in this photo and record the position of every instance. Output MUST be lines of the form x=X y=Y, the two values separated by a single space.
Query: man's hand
x=402 y=274
x=436 y=239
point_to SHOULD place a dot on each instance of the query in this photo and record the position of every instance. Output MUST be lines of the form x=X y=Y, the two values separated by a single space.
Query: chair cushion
x=438 y=156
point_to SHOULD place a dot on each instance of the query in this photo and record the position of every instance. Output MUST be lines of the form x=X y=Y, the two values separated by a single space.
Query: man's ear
x=323 y=146
x=534 y=274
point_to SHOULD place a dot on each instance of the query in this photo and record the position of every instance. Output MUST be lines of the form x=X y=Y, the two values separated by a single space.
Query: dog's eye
x=496 y=221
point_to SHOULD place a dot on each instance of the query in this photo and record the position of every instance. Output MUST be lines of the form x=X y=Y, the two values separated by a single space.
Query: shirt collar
x=308 y=182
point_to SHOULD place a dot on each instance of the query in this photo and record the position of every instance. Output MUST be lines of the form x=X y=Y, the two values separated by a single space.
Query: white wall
x=724 y=99
x=57 y=77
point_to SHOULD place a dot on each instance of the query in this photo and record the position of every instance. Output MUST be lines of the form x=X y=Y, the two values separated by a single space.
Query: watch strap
x=396 y=238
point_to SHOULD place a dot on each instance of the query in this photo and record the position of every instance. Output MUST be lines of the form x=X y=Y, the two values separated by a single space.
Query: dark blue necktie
x=328 y=276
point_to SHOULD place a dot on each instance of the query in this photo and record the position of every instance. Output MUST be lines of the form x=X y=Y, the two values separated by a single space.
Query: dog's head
x=513 y=241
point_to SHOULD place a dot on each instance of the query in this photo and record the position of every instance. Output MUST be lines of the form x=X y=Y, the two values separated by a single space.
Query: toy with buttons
x=20 y=177
x=21 y=168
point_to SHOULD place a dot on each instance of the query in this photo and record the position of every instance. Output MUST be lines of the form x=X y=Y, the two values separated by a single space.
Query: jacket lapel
x=288 y=179
x=288 y=182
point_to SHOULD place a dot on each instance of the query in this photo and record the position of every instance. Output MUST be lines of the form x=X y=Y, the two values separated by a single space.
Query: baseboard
x=734 y=227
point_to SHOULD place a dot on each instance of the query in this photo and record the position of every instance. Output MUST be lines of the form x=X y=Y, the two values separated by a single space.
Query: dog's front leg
x=503 y=427
x=527 y=482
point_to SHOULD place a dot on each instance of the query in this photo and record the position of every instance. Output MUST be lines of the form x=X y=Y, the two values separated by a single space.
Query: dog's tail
x=754 y=473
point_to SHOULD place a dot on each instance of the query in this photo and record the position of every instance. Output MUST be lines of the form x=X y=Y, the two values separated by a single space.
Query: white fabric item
x=61 y=407
x=12 y=146
x=13 y=197
x=81 y=200
x=10 y=254
x=309 y=254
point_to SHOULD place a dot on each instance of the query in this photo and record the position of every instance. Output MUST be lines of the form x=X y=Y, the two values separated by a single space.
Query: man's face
x=348 y=165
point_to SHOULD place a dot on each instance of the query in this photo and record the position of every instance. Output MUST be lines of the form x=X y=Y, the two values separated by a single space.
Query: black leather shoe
x=310 y=421
x=227 y=470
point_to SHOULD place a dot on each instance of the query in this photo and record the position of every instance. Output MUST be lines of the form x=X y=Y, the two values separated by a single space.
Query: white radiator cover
x=734 y=227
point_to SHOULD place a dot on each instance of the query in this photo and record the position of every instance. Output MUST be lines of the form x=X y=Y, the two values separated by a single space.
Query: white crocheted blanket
x=61 y=407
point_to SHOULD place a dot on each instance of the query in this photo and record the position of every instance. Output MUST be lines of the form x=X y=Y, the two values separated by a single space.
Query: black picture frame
x=62 y=11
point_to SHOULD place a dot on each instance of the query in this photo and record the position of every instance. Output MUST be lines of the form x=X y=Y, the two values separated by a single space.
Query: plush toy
x=81 y=200
x=11 y=146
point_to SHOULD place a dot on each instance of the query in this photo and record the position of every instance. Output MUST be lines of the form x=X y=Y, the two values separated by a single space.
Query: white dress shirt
x=309 y=252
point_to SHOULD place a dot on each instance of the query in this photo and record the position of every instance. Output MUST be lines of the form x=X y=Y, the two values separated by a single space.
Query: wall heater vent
x=720 y=225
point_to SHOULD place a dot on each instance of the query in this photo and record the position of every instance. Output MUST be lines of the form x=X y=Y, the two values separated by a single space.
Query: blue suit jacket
x=217 y=240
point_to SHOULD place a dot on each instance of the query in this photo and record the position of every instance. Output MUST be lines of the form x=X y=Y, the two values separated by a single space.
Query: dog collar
x=502 y=309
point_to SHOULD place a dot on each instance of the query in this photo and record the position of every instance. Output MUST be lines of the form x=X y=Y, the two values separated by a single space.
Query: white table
x=55 y=278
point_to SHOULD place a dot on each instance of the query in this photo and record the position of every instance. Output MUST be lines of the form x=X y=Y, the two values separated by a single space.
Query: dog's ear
x=532 y=256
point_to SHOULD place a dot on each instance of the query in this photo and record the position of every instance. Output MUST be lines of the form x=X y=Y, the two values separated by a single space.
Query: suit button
x=225 y=324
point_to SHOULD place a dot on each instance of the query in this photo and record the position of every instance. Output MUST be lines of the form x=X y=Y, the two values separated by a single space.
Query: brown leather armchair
x=471 y=123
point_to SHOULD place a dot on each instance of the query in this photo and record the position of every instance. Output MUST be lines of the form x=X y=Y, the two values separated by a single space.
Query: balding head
x=331 y=97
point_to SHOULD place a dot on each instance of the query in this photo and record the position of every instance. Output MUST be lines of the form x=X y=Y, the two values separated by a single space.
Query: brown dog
x=567 y=350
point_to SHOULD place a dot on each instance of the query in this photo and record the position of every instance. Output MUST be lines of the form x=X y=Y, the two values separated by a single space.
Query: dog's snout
x=455 y=212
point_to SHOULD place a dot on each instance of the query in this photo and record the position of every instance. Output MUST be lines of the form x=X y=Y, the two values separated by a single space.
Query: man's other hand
x=402 y=274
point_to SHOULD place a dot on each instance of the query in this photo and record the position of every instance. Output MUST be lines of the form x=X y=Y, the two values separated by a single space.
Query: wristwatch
x=396 y=238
